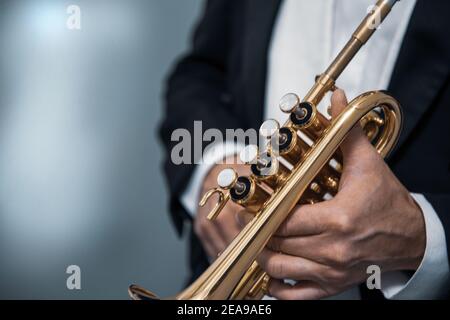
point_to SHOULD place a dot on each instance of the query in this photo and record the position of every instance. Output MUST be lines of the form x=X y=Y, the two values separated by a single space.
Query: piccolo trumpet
x=308 y=172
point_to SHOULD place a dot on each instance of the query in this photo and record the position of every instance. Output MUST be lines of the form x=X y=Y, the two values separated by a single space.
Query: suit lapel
x=260 y=18
x=423 y=63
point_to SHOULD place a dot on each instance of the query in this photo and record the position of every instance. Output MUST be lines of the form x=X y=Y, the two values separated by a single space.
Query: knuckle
x=342 y=256
x=336 y=278
x=288 y=227
x=343 y=222
x=203 y=225
x=284 y=229
x=275 y=268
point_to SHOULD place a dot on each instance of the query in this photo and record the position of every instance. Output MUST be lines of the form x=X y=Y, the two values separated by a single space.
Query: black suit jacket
x=222 y=80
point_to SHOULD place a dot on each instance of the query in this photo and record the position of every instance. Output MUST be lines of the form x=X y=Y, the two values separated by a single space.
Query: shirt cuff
x=213 y=155
x=430 y=278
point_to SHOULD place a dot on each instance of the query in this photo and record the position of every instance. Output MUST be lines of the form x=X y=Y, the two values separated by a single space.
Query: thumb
x=356 y=143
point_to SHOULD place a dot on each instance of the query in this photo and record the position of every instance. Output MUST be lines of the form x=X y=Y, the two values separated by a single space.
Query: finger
x=338 y=102
x=305 y=220
x=281 y=266
x=305 y=247
x=206 y=243
x=227 y=223
x=304 y=290
x=356 y=141
x=243 y=217
x=316 y=248
x=210 y=250
x=228 y=233
x=210 y=236
x=227 y=226
x=215 y=239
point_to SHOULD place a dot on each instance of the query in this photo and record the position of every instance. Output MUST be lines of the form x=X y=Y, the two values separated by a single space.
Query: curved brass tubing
x=235 y=274
x=222 y=277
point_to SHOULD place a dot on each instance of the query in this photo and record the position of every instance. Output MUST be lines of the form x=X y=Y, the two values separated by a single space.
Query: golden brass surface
x=235 y=273
x=256 y=198
x=223 y=195
x=294 y=153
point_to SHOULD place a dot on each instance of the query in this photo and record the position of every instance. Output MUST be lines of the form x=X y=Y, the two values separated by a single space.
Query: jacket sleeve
x=197 y=91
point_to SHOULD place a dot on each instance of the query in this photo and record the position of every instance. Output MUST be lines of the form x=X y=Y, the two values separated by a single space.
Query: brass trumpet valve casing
x=273 y=173
x=235 y=273
x=290 y=146
x=252 y=197
x=244 y=191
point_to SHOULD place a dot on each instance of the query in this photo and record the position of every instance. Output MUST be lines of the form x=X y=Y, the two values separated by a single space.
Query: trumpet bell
x=138 y=293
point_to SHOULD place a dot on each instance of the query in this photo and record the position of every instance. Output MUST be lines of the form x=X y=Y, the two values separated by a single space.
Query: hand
x=328 y=246
x=216 y=235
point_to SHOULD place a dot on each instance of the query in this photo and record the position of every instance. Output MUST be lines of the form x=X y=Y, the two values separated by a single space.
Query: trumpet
x=291 y=171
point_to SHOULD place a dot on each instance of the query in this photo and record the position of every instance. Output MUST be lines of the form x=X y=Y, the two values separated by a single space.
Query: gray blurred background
x=80 y=178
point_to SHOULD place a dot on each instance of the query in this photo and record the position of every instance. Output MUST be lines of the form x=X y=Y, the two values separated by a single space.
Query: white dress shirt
x=307 y=36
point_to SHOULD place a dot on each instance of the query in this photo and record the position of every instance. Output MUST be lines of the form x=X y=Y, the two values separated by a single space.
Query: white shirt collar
x=307 y=36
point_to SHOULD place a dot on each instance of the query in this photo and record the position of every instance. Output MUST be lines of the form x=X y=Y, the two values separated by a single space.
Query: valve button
x=227 y=178
x=289 y=102
x=269 y=128
x=249 y=154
